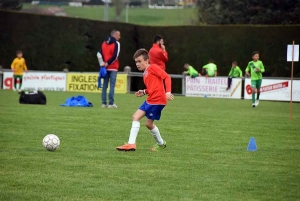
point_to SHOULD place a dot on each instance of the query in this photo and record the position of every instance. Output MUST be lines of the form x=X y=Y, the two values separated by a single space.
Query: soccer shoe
x=253 y=105
x=112 y=106
x=158 y=147
x=256 y=103
x=104 y=106
x=127 y=147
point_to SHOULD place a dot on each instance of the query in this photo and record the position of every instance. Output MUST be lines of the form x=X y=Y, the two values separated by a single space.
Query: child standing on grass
x=234 y=72
x=18 y=66
x=256 y=69
x=191 y=71
x=154 y=78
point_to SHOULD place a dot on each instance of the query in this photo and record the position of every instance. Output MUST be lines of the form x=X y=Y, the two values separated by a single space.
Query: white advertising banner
x=278 y=90
x=44 y=81
x=213 y=87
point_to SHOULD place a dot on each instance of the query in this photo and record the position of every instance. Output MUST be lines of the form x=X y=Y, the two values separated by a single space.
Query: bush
x=11 y=4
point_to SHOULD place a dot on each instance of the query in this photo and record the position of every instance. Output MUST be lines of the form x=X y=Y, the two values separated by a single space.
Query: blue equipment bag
x=79 y=101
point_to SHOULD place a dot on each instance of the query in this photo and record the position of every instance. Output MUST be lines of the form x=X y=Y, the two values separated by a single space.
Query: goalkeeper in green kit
x=256 y=69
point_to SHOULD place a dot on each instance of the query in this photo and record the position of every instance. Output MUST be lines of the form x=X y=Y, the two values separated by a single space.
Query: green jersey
x=251 y=67
x=235 y=72
x=211 y=69
x=191 y=71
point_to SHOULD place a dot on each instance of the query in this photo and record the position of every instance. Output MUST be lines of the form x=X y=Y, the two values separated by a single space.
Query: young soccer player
x=234 y=72
x=191 y=71
x=256 y=69
x=154 y=77
x=210 y=69
x=18 y=66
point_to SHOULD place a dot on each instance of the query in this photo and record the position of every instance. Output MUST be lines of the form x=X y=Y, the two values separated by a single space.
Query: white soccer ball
x=51 y=142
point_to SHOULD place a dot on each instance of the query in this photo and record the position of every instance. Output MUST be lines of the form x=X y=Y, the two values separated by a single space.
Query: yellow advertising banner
x=88 y=82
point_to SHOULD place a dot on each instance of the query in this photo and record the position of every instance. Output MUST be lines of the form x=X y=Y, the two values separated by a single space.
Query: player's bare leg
x=253 y=97
x=131 y=146
x=257 y=98
x=160 y=143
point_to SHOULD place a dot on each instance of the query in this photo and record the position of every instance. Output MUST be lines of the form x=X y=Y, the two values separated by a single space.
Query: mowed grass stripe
x=142 y=16
x=205 y=159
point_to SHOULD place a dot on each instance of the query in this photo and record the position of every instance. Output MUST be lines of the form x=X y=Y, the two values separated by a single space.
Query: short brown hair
x=254 y=53
x=235 y=62
x=141 y=52
x=19 y=52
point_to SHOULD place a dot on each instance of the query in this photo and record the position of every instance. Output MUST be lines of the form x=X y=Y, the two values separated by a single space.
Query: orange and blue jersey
x=154 y=79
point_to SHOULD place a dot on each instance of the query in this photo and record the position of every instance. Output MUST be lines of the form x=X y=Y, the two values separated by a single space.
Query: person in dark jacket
x=109 y=53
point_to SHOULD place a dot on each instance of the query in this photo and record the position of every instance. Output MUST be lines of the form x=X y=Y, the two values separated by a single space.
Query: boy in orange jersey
x=18 y=66
x=153 y=77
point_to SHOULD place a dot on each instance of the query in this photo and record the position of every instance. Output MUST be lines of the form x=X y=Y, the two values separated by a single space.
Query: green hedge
x=53 y=43
x=197 y=44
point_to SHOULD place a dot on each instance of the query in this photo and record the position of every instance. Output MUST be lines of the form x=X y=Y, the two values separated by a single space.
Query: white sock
x=156 y=134
x=134 y=132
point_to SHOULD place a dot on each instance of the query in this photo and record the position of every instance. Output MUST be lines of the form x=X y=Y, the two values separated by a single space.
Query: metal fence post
x=183 y=84
x=127 y=70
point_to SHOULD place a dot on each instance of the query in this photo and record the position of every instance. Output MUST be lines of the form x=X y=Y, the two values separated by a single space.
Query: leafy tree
x=249 y=11
x=11 y=4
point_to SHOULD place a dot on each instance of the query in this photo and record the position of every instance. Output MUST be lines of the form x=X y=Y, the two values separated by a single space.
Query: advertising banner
x=88 y=82
x=213 y=87
x=278 y=90
x=44 y=81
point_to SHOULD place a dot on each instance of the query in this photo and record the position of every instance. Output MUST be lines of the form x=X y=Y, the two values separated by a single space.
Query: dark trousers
x=229 y=81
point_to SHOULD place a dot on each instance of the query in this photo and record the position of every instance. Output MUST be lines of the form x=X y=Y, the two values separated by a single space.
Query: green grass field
x=206 y=157
x=142 y=16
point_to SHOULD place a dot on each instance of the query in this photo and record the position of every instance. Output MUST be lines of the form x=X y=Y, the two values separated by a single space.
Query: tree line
x=248 y=11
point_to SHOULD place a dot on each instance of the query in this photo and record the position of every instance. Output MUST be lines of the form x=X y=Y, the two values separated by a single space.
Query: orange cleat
x=127 y=147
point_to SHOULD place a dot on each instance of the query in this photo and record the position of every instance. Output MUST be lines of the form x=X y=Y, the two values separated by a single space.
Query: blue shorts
x=153 y=112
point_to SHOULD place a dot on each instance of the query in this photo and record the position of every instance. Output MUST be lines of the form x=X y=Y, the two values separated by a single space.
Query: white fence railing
x=273 y=88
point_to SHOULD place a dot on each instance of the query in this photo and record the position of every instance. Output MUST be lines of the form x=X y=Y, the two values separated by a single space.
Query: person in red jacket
x=109 y=52
x=158 y=95
x=158 y=54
